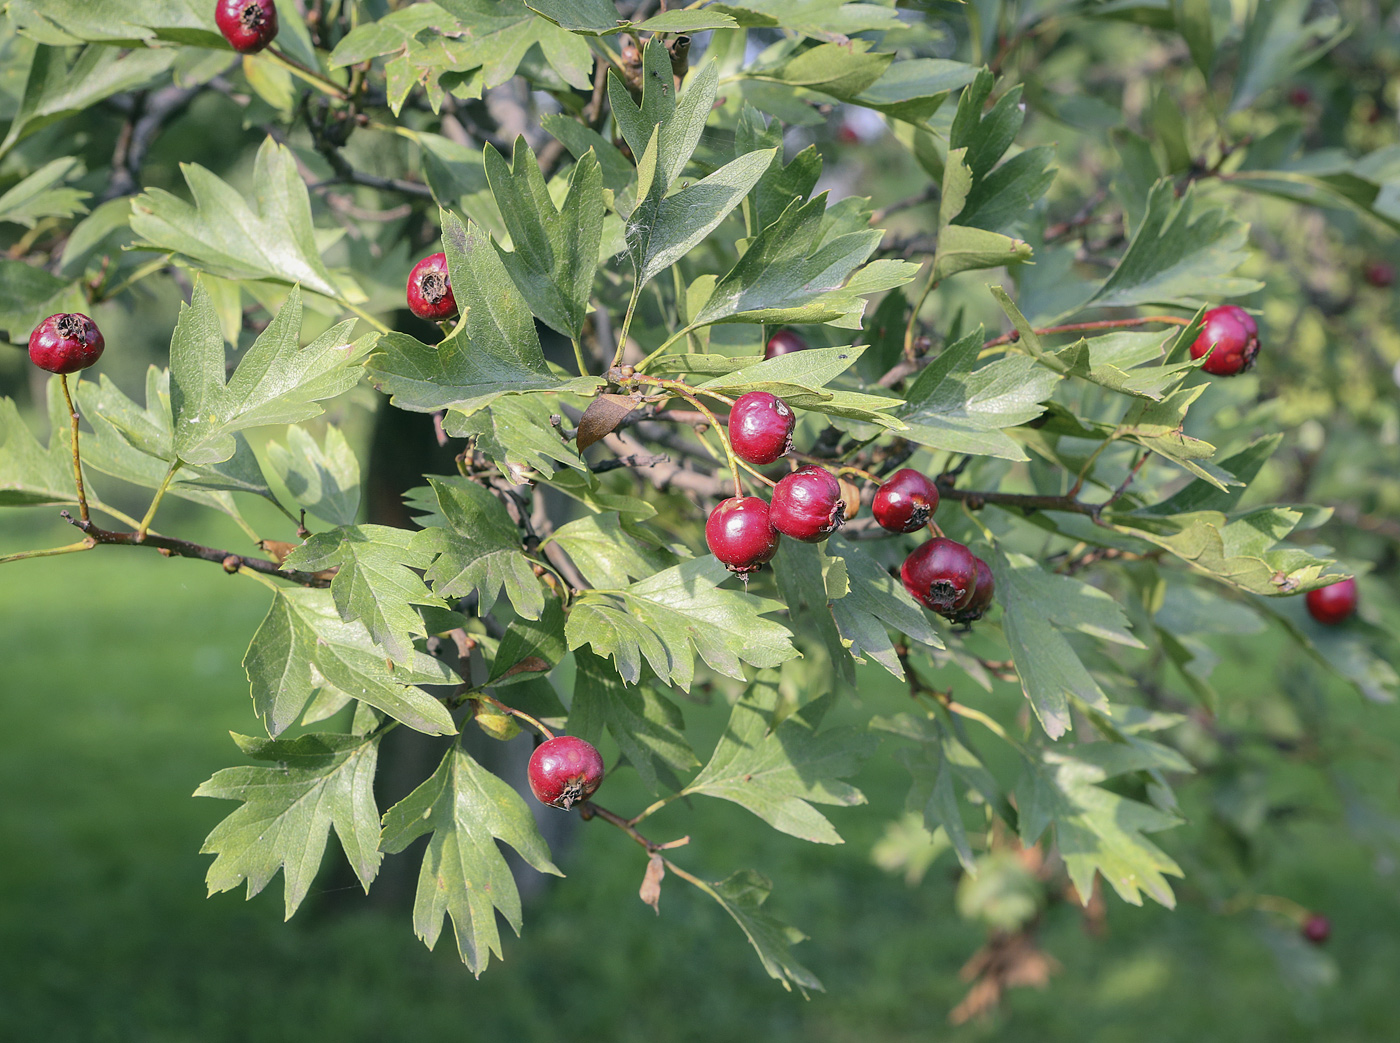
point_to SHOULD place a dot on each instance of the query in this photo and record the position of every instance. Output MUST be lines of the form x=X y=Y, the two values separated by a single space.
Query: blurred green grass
x=121 y=678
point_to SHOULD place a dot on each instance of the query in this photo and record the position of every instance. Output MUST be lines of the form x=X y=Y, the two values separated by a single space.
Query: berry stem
x=578 y=357
x=1085 y=327
x=626 y=325
x=321 y=83
x=141 y=529
x=689 y=393
x=77 y=461
x=516 y=713
x=49 y=552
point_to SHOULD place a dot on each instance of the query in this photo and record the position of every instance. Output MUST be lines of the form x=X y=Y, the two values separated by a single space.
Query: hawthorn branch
x=173 y=548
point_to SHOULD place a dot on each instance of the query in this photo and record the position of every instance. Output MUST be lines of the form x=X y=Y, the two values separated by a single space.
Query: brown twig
x=170 y=547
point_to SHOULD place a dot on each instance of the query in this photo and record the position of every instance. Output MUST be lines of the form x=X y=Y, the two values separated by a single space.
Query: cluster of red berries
x=808 y=505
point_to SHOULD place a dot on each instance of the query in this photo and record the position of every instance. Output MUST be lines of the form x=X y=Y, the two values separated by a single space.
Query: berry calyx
x=807 y=505
x=1333 y=603
x=430 y=289
x=66 y=343
x=740 y=535
x=1234 y=335
x=1317 y=928
x=783 y=342
x=248 y=25
x=906 y=501
x=760 y=427
x=565 y=770
x=982 y=593
x=940 y=574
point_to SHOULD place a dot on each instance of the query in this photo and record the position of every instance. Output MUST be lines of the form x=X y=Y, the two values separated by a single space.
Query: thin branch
x=169 y=547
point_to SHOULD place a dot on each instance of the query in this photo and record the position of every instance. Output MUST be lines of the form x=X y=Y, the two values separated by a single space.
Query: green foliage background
x=1148 y=117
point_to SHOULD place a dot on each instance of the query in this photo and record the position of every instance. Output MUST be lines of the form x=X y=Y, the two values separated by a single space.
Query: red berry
x=982 y=593
x=248 y=25
x=807 y=505
x=66 y=343
x=565 y=770
x=1334 y=603
x=782 y=343
x=906 y=501
x=760 y=427
x=1380 y=274
x=1234 y=334
x=739 y=534
x=941 y=574
x=1317 y=928
x=430 y=289
x=1299 y=97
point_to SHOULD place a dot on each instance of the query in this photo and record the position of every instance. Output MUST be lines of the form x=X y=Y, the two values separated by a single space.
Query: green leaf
x=303 y=644
x=647 y=726
x=1357 y=650
x=478 y=549
x=464 y=875
x=325 y=479
x=530 y=639
x=1178 y=256
x=811 y=584
x=1116 y=361
x=1097 y=830
x=375 y=582
x=1158 y=426
x=938 y=764
x=1193 y=21
x=779 y=773
x=781 y=184
x=580 y=140
x=28 y=295
x=791 y=273
x=668 y=617
x=115 y=21
x=675 y=122
x=31 y=474
x=800 y=379
x=599 y=18
x=554 y=252
x=960 y=247
x=1278 y=43
x=742 y=895
x=606 y=553
x=517 y=435
x=821 y=19
x=874 y=602
x=493 y=351
x=914 y=90
x=662 y=229
x=1245 y=551
x=316 y=782
x=223 y=234
x=1039 y=606
x=41 y=194
x=955 y=407
x=276 y=382
x=56 y=90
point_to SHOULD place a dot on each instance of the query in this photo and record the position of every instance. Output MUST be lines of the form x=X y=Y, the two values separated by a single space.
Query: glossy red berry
x=906 y=501
x=565 y=770
x=248 y=25
x=982 y=594
x=807 y=505
x=430 y=289
x=1317 y=928
x=739 y=534
x=760 y=427
x=783 y=342
x=941 y=574
x=66 y=343
x=1334 y=603
x=1234 y=335
x=1380 y=274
